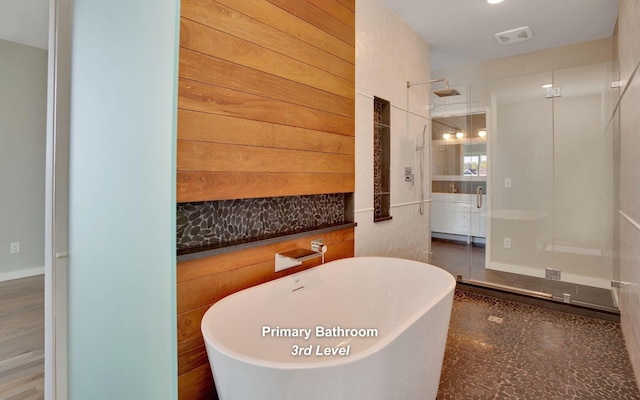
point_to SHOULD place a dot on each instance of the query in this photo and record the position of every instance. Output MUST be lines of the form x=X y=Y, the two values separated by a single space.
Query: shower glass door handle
x=479 y=197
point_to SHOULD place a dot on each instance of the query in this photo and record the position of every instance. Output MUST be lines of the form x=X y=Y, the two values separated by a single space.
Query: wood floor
x=22 y=339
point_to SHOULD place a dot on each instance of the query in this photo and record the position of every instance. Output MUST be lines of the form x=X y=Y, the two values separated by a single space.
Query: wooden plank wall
x=204 y=281
x=266 y=98
x=265 y=108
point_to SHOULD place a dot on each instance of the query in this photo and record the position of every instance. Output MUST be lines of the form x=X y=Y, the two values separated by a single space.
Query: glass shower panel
x=453 y=168
x=522 y=182
x=476 y=168
x=612 y=113
x=482 y=134
x=583 y=241
x=547 y=163
x=613 y=128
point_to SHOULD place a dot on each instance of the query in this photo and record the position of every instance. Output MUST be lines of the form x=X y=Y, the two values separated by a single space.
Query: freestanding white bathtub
x=357 y=328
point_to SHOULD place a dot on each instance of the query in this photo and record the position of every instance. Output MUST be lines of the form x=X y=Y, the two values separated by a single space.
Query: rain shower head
x=446 y=92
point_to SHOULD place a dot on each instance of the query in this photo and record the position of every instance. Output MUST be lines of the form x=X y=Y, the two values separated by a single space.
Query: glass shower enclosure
x=547 y=166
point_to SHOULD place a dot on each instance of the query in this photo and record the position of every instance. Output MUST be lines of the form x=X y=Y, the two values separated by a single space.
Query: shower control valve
x=318 y=246
x=408 y=175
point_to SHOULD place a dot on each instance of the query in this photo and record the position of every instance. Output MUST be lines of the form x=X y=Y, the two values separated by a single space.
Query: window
x=475 y=165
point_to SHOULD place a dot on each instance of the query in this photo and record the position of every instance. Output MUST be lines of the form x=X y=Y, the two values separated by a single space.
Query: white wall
x=122 y=225
x=584 y=53
x=23 y=106
x=388 y=54
x=629 y=213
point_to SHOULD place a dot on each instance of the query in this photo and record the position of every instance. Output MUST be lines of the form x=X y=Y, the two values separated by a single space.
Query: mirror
x=459 y=152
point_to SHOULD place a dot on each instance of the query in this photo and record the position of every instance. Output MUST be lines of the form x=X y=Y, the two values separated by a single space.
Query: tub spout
x=285 y=262
x=294 y=258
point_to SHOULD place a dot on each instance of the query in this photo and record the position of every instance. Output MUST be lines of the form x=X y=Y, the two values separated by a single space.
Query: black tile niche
x=223 y=222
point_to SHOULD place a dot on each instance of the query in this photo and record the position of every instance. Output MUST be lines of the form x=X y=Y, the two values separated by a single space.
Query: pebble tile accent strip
x=212 y=222
x=533 y=354
x=378 y=174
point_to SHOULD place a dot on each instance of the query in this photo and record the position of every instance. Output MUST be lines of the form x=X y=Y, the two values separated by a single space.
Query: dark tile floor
x=532 y=353
x=460 y=258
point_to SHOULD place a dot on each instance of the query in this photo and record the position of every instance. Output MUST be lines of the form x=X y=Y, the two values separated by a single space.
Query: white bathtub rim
x=210 y=340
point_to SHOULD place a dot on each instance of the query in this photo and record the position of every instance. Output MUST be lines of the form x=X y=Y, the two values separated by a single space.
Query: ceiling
x=459 y=31
x=462 y=32
x=25 y=22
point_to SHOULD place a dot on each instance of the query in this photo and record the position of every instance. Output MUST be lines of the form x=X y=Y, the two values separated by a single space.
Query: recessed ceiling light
x=494 y=1
x=547 y=85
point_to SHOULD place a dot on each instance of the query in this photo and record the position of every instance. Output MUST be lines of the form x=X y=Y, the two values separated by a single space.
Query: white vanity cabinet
x=458 y=214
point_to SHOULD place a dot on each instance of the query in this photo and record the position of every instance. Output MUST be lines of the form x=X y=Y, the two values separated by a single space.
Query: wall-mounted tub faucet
x=295 y=257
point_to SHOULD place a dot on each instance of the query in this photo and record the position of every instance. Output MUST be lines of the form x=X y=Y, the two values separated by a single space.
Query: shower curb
x=548 y=304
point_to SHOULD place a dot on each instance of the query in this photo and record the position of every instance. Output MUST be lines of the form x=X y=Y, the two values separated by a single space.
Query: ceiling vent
x=514 y=35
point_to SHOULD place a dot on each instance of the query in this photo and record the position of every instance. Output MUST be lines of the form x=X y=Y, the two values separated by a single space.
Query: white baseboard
x=21 y=273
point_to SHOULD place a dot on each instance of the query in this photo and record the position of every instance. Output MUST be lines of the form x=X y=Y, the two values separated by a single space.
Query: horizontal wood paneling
x=216 y=157
x=204 y=281
x=213 y=278
x=265 y=108
x=310 y=13
x=209 y=289
x=197 y=384
x=237 y=24
x=192 y=352
x=215 y=71
x=284 y=21
x=197 y=295
x=212 y=128
x=199 y=268
x=266 y=98
x=336 y=10
x=189 y=323
x=206 y=98
x=350 y=4
x=198 y=37
x=198 y=186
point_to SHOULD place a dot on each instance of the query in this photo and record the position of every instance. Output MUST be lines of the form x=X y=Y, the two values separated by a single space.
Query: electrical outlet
x=507 y=243
x=617 y=84
x=15 y=247
x=507 y=182
x=553 y=274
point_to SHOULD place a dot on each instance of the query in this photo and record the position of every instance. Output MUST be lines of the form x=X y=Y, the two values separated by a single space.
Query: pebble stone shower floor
x=529 y=352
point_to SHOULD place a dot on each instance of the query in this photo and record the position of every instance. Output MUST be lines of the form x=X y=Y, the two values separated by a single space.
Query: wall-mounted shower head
x=447 y=91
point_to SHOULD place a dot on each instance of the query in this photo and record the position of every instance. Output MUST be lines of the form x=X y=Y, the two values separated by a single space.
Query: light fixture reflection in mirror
x=459 y=135
x=482 y=133
x=446 y=136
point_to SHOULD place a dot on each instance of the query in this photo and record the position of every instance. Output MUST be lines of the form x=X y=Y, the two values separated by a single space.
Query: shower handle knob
x=318 y=246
